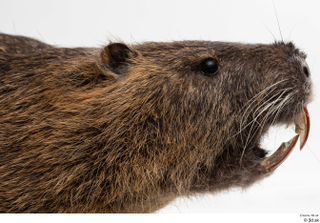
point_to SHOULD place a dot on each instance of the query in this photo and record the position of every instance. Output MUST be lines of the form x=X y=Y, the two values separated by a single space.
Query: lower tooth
x=275 y=160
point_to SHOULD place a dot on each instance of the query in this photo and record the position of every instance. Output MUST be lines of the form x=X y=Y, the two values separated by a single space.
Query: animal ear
x=115 y=58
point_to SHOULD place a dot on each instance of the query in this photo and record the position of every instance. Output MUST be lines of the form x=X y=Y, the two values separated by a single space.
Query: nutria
x=129 y=128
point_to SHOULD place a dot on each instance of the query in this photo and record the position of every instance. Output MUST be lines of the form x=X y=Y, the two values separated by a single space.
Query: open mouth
x=302 y=127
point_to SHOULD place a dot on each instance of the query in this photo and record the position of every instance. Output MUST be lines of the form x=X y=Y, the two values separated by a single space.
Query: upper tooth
x=301 y=126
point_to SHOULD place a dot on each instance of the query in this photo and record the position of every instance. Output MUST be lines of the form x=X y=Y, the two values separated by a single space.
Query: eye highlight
x=209 y=66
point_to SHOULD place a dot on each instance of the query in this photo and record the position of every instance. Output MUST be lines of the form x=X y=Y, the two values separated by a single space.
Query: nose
x=306 y=71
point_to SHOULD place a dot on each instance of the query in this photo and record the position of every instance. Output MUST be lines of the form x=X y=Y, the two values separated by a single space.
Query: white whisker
x=263 y=110
x=273 y=107
x=313 y=153
x=282 y=104
x=252 y=101
x=267 y=103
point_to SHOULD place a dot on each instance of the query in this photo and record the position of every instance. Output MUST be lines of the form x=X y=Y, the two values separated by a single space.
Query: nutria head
x=129 y=128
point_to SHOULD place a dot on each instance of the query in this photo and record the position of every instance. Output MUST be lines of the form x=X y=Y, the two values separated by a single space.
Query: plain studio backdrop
x=295 y=185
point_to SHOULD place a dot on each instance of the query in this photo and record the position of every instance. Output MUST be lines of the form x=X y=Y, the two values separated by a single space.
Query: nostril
x=306 y=71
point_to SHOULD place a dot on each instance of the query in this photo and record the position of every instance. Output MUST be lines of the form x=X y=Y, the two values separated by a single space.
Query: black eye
x=209 y=66
x=306 y=71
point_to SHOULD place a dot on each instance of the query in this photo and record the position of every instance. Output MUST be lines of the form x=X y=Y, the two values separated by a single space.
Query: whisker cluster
x=261 y=109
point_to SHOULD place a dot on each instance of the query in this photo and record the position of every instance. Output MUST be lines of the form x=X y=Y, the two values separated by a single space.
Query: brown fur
x=129 y=128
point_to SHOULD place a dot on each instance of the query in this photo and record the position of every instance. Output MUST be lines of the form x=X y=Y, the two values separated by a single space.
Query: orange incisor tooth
x=279 y=156
x=302 y=123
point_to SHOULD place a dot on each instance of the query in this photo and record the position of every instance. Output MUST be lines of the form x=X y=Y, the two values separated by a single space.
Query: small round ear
x=115 y=57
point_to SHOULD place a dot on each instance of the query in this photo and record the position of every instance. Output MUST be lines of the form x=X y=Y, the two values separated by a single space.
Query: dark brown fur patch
x=129 y=128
